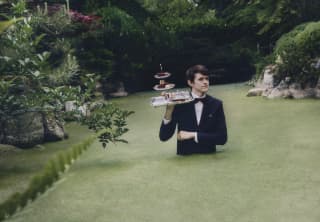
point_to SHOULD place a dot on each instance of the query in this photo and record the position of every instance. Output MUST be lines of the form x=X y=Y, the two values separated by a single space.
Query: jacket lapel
x=209 y=108
x=204 y=114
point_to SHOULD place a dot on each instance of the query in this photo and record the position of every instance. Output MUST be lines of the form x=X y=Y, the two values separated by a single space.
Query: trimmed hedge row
x=42 y=181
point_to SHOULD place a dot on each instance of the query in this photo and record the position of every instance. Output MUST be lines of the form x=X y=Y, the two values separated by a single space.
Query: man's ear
x=190 y=83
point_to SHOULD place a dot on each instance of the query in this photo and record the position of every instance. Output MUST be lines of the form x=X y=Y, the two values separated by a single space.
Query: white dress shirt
x=198 y=108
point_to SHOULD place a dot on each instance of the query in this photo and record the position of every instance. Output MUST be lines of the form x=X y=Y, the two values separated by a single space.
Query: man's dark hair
x=191 y=72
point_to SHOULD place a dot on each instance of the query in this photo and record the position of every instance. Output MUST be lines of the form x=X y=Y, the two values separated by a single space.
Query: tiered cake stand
x=163 y=85
x=177 y=97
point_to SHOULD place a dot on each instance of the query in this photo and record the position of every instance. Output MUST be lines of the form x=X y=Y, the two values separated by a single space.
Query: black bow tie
x=200 y=99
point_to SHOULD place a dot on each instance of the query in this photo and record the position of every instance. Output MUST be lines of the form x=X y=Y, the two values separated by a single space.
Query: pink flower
x=79 y=17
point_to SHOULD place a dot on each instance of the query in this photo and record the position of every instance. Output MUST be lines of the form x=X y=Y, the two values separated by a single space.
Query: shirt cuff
x=166 y=121
x=196 y=138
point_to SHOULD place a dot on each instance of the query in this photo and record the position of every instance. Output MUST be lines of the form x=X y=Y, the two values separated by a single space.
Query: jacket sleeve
x=219 y=136
x=167 y=130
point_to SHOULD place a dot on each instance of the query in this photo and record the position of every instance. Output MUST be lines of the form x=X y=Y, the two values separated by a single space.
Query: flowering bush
x=86 y=19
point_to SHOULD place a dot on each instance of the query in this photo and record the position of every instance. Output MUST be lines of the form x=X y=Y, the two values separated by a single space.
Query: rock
x=265 y=87
x=98 y=92
x=266 y=92
x=98 y=95
x=98 y=87
x=318 y=84
x=317 y=93
x=267 y=80
x=295 y=86
x=32 y=128
x=53 y=129
x=283 y=85
x=309 y=92
x=279 y=93
x=118 y=94
x=96 y=104
x=121 y=92
x=296 y=91
x=287 y=79
x=84 y=109
x=25 y=130
x=70 y=106
x=316 y=63
x=255 y=92
x=297 y=94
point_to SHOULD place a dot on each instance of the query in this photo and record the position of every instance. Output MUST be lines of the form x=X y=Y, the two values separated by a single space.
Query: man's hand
x=169 y=107
x=185 y=135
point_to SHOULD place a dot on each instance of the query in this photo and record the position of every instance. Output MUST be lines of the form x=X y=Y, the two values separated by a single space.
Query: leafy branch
x=110 y=121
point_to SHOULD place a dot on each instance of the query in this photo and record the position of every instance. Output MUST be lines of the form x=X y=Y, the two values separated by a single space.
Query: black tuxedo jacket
x=211 y=130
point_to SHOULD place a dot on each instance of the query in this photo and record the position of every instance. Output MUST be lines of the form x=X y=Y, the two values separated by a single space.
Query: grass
x=268 y=170
x=18 y=166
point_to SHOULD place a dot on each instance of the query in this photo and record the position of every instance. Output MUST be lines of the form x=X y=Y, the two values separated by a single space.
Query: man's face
x=200 y=85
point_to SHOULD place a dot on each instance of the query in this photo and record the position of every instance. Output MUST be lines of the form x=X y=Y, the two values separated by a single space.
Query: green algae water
x=267 y=171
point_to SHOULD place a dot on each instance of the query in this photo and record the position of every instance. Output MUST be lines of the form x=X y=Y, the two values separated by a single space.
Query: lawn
x=268 y=170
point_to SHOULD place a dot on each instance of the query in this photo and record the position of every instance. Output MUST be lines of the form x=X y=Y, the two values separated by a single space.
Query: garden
x=71 y=150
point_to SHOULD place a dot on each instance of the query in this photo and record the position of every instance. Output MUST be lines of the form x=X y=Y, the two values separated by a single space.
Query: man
x=201 y=123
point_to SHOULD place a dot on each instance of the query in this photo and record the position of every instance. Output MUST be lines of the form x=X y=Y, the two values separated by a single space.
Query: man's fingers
x=178 y=136
x=184 y=135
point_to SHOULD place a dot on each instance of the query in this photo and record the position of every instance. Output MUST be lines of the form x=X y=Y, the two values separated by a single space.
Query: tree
x=31 y=82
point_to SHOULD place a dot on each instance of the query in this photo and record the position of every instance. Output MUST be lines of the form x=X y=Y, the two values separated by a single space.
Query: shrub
x=297 y=52
x=61 y=162
x=34 y=187
x=10 y=206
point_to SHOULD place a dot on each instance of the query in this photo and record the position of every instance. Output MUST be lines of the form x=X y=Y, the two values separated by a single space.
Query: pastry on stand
x=176 y=97
x=163 y=85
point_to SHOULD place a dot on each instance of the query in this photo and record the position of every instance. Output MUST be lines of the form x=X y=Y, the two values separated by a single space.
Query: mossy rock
x=24 y=130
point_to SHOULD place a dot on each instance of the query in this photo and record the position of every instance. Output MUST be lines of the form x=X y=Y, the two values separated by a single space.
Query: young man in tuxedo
x=201 y=123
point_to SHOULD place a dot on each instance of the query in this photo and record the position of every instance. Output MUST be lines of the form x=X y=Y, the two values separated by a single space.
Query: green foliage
x=110 y=121
x=10 y=205
x=2 y=214
x=53 y=25
x=183 y=15
x=31 y=81
x=60 y=159
x=95 y=56
x=6 y=24
x=118 y=21
x=28 y=82
x=269 y=19
x=132 y=41
x=19 y=8
x=261 y=63
x=20 y=68
x=297 y=52
x=116 y=49
x=264 y=22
